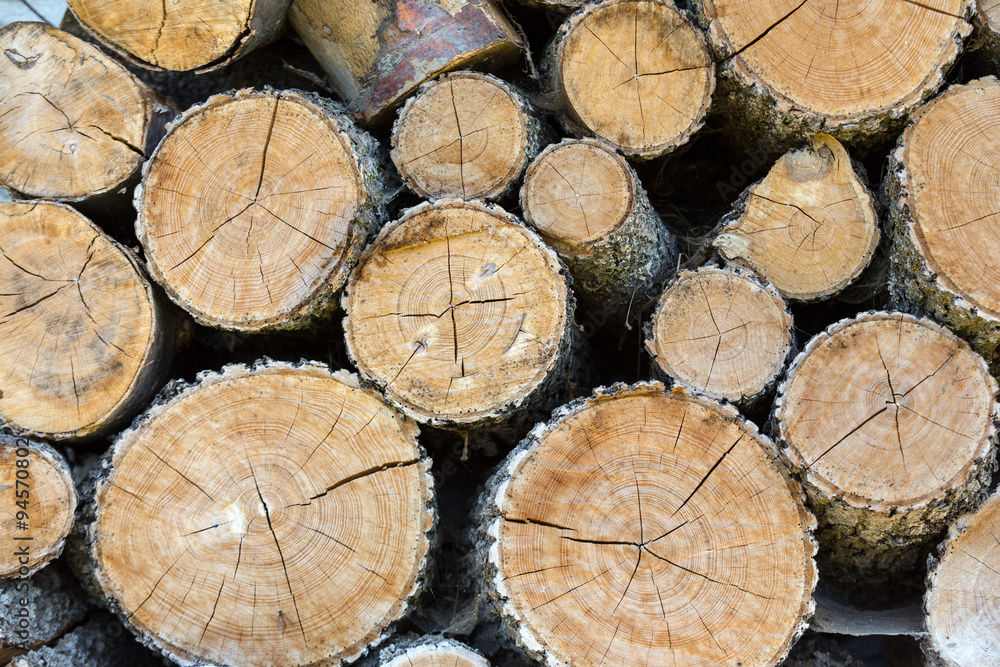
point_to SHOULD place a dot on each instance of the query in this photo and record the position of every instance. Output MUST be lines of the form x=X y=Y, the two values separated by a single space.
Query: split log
x=466 y=135
x=963 y=624
x=587 y=202
x=75 y=126
x=100 y=641
x=634 y=73
x=723 y=333
x=647 y=527
x=39 y=609
x=274 y=515
x=460 y=315
x=243 y=228
x=943 y=213
x=809 y=227
x=790 y=69
x=38 y=489
x=429 y=651
x=890 y=422
x=197 y=35
x=84 y=341
x=377 y=53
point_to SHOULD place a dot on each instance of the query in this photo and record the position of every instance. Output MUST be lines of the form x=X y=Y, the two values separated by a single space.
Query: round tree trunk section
x=38 y=490
x=466 y=135
x=809 y=227
x=721 y=332
x=460 y=314
x=82 y=338
x=645 y=527
x=634 y=73
x=587 y=202
x=848 y=67
x=961 y=604
x=430 y=652
x=890 y=421
x=945 y=213
x=181 y=35
x=74 y=123
x=255 y=207
x=273 y=516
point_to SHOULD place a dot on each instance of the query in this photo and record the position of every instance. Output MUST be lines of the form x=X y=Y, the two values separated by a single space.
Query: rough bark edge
x=776 y=124
x=551 y=73
x=985 y=44
x=929 y=644
x=518 y=409
x=617 y=274
x=374 y=192
x=397 y=651
x=155 y=363
x=262 y=25
x=54 y=604
x=513 y=634
x=748 y=403
x=866 y=201
x=910 y=527
x=157 y=111
x=43 y=451
x=83 y=543
x=913 y=287
x=536 y=135
x=101 y=640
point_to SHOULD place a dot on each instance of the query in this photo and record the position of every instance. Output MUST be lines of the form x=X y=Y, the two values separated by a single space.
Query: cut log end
x=459 y=312
x=40 y=492
x=634 y=73
x=809 y=227
x=431 y=652
x=961 y=603
x=241 y=228
x=646 y=527
x=82 y=338
x=466 y=135
x=887 y=411
x=279 y=515
x=721 y=332
x=181 y=37
x=840 y=68
x=63 y=141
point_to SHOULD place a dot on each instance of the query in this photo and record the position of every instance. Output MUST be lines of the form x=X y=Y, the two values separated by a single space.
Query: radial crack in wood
x=262 y=516
x=961 y=606
x=890 y=422
x=460 y=314
x=809 y=227
x=83 y=339
x=689 y=544
x=722 y=333
x=255 y=207
x=634 y=73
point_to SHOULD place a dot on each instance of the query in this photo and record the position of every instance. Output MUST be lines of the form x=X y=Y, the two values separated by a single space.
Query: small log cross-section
x=791 y=68
x=278 y=515
x=465 y=135
x=83 y=339
x=254 y=208
x=962 y=602
x=986 y=22
x=722 y=333
x=429 y=652
x=74 y=124
x=37 y=487
x=809 y=227
x=588 y=204
x=645 y=527
x=461 y=315
x=944 y=213
x=181 y=35
x=890 y=422
x=634 y=73
x=378 y=52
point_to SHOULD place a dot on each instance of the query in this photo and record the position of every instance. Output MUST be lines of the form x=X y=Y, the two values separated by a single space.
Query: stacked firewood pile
x=438 y=332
